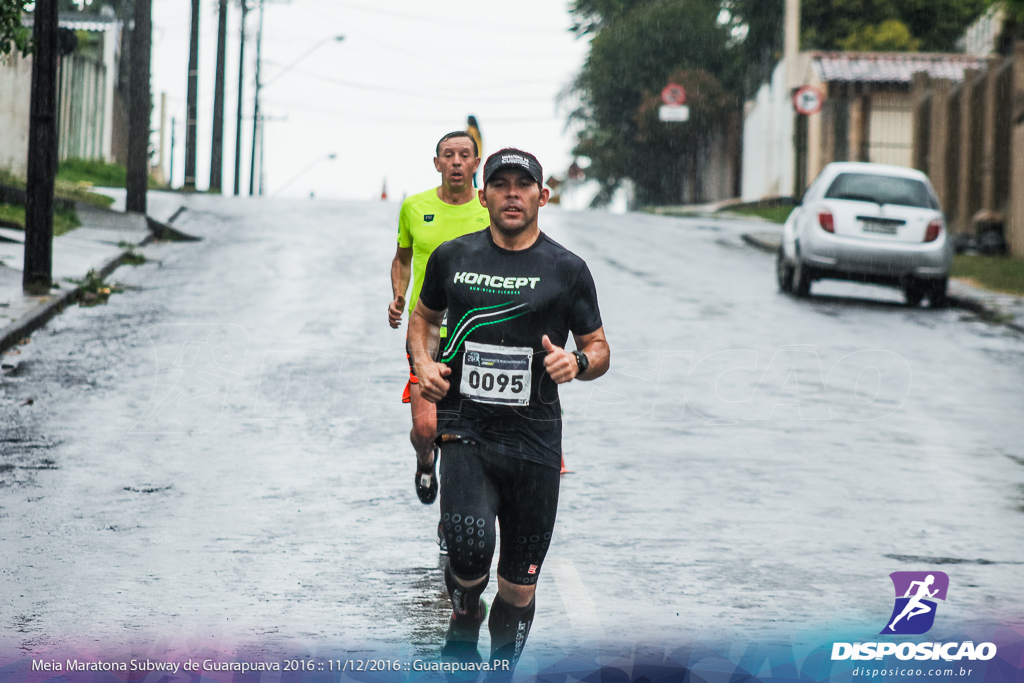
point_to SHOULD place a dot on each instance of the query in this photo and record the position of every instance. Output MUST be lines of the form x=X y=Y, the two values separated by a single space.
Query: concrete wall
x=768 y=153
x=15 y=98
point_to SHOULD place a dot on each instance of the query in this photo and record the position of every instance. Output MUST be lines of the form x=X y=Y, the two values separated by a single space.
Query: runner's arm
x=400 y=270
x=595 y=346
x=561 y=365
x=424 y=338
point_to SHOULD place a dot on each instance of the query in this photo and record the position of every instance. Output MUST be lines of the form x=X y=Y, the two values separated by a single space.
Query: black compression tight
x=479 y=486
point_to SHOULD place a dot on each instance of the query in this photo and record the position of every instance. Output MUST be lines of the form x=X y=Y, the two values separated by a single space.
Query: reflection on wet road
x=221 y=453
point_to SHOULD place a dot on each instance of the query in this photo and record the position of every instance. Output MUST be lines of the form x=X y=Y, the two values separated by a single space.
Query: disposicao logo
x=916 y=593
x=913 y=614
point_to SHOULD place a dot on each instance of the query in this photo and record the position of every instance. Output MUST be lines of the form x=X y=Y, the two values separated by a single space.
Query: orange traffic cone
x=384 y=191
x=565 y=470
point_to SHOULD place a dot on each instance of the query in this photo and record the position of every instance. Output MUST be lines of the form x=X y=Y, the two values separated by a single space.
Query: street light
x=257 y=120
x=307 y=53
x=304 y=171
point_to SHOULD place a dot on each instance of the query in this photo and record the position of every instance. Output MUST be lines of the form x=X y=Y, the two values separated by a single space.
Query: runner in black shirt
x=512 y=296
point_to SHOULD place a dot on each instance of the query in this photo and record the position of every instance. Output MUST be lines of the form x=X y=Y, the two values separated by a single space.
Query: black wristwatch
x=582 y=361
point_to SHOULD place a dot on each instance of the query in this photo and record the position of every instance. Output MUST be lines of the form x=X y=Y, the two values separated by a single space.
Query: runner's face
x=513 y=198
x=457 y=163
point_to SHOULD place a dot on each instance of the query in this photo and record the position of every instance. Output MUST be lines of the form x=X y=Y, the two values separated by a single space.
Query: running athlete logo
x=916 y=592
x=196 y=365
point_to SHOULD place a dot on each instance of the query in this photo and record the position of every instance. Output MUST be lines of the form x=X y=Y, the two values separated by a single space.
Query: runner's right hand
x=433 y=385
x=395 y=309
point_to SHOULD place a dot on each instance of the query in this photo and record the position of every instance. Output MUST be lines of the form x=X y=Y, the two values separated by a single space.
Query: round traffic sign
x=808 y=100
x=673 y=94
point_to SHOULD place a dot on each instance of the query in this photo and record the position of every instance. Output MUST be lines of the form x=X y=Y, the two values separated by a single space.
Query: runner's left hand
x=559 y=363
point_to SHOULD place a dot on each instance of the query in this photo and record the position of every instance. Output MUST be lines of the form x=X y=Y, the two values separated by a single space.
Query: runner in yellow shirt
x=427 y=220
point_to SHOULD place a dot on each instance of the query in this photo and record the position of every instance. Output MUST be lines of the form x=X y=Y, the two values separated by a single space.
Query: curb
x=973 y=305
x=984 y=312
x=758 y=243
x=18 y=330
x=44 y=313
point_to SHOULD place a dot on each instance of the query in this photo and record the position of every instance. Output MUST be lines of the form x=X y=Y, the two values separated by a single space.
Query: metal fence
x=82 y=107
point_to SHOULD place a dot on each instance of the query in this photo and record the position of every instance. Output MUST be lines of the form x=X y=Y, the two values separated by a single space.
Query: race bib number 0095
x=497 y=374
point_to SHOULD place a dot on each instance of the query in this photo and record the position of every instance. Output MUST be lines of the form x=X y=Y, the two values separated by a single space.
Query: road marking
x=577 y=601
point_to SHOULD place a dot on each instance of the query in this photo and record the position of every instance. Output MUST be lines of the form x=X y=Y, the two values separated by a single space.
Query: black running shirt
x=500 y=304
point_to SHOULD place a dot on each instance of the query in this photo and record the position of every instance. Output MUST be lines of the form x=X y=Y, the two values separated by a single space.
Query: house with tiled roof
x=866 y=115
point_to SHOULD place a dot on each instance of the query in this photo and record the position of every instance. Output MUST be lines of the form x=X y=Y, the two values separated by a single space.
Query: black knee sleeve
x=465 y=601
x=509 y=626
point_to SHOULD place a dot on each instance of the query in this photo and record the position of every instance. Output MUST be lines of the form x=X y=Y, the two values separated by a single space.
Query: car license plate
x=882 y=228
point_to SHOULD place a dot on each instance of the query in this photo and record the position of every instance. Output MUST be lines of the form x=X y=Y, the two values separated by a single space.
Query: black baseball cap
x=513 y=158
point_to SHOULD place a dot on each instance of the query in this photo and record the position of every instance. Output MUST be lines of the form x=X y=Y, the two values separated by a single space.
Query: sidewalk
x=100 y=244
x=1007 y=309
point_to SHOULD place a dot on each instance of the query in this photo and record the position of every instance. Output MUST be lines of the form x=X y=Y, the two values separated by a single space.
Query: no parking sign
x=808 y=100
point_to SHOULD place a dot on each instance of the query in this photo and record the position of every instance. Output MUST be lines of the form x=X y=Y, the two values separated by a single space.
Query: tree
x=937 y=24
x=632 y=56
x=13 y=34
x=892 y=35
x=593 y=15
x=755 y=29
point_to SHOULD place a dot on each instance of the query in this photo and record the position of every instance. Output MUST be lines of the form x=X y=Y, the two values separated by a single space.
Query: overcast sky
x=407 y=72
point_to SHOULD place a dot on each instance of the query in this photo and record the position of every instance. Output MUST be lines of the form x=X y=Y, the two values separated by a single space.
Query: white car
x=869 y=223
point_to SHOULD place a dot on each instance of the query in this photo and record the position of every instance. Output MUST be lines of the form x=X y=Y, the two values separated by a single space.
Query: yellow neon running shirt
x=426 y=222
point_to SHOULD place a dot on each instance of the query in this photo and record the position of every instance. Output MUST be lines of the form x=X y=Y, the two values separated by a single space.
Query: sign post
x=674 y=108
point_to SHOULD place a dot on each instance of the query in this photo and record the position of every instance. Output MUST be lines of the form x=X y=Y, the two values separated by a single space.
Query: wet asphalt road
x=219 y=455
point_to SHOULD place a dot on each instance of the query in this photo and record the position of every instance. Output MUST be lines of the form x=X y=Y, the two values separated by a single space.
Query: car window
x=881 y=189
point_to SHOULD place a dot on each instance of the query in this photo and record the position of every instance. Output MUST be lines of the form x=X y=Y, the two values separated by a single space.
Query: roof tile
x=892 y=67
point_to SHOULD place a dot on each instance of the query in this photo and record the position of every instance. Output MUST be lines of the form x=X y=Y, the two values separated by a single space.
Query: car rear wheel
x=937 y=293
x=914 y=291
x=783 y=272
x=802 y=276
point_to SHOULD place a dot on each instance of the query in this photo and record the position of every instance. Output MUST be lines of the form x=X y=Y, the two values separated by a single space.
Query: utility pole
x=241 y=90
x=257 y=125
x=191 y=106
x=139 y=109
x=170 y=172
x=42 y=152
x=217 y=153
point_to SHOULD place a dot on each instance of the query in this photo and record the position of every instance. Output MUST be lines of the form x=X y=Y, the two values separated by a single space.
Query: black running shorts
x=479 y=485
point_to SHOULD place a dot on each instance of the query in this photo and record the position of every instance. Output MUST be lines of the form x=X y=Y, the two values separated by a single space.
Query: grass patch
x=86 y=173
x=1000 y=274
x=94 y=290
x=63 y=221
x=65 y=189
x=92 y=172
x=81 y=193
x=13 y=214
x=130 y=256
x=775 y=214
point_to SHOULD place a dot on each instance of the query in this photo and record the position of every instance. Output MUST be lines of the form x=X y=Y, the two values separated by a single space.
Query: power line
x=447 y=21
x=404 y=92
x=372 y=117
x=504 y=85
